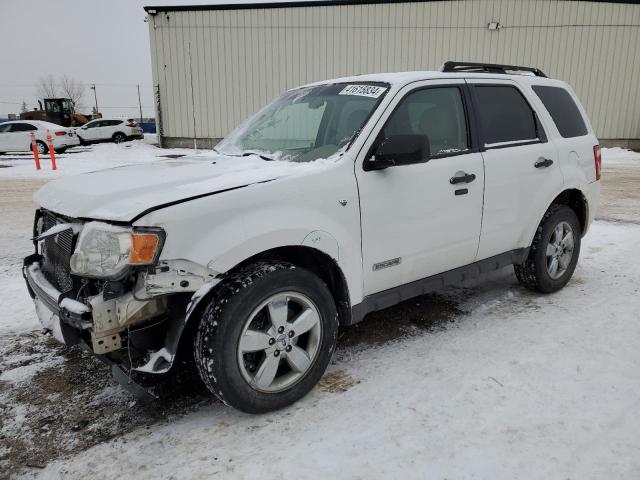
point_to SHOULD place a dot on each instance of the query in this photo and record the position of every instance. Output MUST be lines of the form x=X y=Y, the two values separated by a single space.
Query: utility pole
x=139 y=103
x=95 y=95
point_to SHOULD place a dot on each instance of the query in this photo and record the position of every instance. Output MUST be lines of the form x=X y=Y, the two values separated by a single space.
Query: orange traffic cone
x=34 y=149
x=51 y=151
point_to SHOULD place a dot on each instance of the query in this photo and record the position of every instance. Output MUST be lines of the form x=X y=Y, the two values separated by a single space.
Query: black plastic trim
x=474 y=67
x=393 y=296
x=514 y=144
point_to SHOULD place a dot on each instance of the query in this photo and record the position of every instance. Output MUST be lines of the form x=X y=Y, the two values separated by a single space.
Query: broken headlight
x=107 y=251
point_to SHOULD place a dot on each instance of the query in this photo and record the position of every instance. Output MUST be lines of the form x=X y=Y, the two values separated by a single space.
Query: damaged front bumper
x=113 y=328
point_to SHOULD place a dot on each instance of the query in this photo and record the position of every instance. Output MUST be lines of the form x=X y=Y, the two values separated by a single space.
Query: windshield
x=307 y=123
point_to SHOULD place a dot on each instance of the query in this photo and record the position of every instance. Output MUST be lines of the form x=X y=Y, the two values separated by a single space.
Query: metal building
x=215 y=65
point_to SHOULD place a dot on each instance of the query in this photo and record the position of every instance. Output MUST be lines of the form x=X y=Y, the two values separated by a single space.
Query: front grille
x=56 y=252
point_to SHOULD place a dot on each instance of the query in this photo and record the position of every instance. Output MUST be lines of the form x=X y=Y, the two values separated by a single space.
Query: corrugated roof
x=311 y=3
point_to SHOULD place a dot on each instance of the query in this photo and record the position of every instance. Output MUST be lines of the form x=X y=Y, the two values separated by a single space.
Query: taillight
x=60 y=134
x=131 y=123
x=597 y=157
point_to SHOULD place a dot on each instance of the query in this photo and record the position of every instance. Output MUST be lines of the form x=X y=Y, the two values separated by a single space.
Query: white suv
x=109 y=130
x=337 y=199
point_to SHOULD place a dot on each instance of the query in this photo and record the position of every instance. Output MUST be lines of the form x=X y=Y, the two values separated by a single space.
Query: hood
x=123 y=193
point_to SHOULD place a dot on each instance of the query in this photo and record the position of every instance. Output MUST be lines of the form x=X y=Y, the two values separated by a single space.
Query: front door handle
x=462 y=177
x=543 y=163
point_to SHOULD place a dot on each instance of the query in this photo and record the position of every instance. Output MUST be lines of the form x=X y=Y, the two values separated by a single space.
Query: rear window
x=505 y=115
x=563 y=110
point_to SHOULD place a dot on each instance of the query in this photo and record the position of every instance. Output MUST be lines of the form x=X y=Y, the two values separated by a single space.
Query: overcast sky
x=93 y=41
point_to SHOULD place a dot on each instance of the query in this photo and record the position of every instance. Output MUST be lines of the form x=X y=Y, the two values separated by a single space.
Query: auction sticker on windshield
x=372 y=91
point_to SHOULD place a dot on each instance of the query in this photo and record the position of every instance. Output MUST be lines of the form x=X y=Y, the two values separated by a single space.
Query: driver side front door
x=417 y=219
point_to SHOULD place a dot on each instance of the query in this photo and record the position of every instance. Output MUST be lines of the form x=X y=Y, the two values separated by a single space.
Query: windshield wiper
x=264 y=157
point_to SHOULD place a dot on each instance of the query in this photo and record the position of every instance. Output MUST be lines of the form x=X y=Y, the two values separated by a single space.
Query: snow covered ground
x=83 y=159
x=520 y=386
x=516 y=386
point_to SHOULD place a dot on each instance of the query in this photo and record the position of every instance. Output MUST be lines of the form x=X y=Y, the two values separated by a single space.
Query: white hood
x=122 y=193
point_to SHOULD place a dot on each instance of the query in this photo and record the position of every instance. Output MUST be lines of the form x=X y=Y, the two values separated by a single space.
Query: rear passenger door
x=111 y=127
x=522 y=172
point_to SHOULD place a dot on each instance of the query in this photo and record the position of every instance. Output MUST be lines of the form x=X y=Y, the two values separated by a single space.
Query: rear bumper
x=66 y=141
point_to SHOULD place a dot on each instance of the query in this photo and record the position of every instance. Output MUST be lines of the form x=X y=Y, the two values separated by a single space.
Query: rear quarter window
x=563 y=110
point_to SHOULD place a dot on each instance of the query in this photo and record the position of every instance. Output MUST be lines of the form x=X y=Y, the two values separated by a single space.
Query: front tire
x=554 y=251
x=119 y=137
x=266 y=337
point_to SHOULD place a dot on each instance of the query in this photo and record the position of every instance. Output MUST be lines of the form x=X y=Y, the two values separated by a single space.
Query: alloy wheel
x=279 y=342
x=560 y=250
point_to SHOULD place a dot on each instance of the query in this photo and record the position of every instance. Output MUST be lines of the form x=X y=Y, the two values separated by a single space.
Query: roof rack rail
x=488 y=68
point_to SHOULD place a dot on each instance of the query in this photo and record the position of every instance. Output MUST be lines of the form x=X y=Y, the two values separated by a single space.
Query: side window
x=437 y=113
x=113 y=123
x=23 y=127
x=5 y=127
x=563 y=110
x=505 y=115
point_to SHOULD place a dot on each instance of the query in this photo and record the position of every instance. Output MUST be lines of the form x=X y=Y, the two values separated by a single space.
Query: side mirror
x=399 y=150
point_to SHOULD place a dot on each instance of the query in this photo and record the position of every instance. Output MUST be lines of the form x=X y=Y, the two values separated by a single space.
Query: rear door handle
x=462 y=177
x=543 y=163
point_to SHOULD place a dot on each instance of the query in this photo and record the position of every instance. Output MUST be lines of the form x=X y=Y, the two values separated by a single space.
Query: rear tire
x=554 y=252
x=247 y=349
x=42 y=147
x=119 y=137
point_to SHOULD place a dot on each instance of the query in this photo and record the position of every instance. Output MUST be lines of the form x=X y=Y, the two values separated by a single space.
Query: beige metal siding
x=240 y=59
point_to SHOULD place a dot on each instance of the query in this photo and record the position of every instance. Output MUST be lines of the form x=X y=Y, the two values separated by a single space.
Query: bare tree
x=23 y=107
x=47 y=87
x=72 y=89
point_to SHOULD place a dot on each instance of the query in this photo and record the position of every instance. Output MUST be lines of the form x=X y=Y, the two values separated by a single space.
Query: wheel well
x=324 y=266
x=577 y=202
x=118 y=133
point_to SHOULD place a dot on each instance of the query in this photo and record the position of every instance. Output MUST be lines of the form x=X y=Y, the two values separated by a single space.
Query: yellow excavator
x=59 y=111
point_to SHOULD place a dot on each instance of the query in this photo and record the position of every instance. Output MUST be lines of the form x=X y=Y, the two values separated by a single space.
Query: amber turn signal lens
x=143 y=248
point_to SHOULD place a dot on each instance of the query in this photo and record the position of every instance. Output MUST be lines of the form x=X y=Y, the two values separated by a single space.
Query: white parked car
x=109 y=130
x=337 y=199
x=15 y=136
